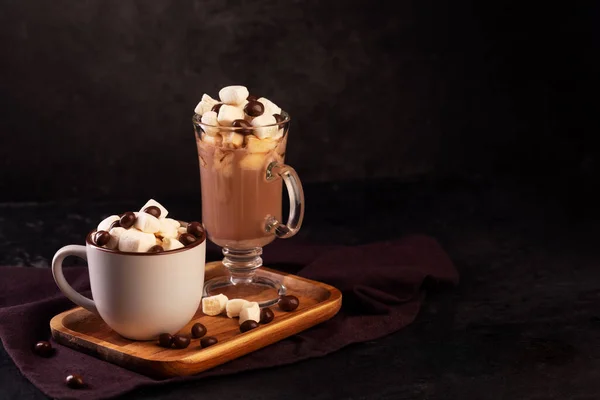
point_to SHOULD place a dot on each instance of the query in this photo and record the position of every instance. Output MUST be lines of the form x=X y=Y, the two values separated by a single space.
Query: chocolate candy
x=242 y=123
x=216 y=107
x=254 y=108
x=288 y=303
x=152 y=210
x=198 y=330
x=165 y=340
x=278 y=118
x=43 y=349
x=101 y=238
x=156 y=249
x=128 y=219
x=187 y=238
x=251 y=97
x=180 y=341
x=248 y=325
x=115 y=224
x=266 y=315
x=196 y=229
x=208 y=341
x=74 y=381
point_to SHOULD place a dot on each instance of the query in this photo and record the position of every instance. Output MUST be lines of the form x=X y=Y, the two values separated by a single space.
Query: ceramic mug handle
x=296 y=195
x=61 y=282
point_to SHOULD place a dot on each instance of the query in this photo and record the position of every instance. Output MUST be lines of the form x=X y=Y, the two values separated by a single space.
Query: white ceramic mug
x=139 y=295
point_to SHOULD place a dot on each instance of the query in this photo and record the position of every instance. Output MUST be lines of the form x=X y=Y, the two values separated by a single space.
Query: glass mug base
x=264 y=291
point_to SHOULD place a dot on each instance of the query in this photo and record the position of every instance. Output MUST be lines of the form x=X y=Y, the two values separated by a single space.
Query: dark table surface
x=524 y=323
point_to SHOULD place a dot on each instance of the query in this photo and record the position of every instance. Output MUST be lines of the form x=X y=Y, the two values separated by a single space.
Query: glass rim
x=285 y=115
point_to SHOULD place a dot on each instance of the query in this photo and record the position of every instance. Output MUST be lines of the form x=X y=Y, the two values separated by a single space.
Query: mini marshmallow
x=233 y=95
x=210 y=118
x=163 y=211
x=181 y=230
x=228 y=114
x=214 y=305
x=115 y=234
x=172 y=221
x=171 y=244
x=270 y=107
x=106 y=222
x=136 y=241
x=234 y=306
x=256 y=145
x=250 y=311
x=261 y=130
x=206 y=104
x=233 y=139
x=167 y=229
x=147 y=223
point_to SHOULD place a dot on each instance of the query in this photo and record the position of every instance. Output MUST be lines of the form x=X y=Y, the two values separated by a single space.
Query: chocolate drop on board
x=208 y=341
x=43 y=349
x=196 y=229
x=180 y=341
x=74 y=381
x=152 y=210
x=266 y=315
x=288 y=303
x=101 y=238
x=198 y=330
x=156 y=249
x=165 y=340
x=254 y=108
x=248 y=326
x=128 y=219
x=187 y=238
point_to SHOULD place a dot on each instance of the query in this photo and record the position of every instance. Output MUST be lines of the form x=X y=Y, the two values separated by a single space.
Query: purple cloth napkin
x=382 y=286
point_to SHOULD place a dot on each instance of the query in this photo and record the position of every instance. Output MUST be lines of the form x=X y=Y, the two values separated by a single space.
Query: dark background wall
x=96 y=97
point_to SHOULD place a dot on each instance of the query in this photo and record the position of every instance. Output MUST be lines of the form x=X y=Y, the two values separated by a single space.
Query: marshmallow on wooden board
x=261 y=130
x=233 y=95
x=211 y=122
x=167 y=229
x=136 y=241
x=163 y=211
x=234 y=306
x=270 y=107
x=106 y=222
x=250 y=311
x=115 y=234
x=214 y=305
x=147 y=223
x=171 y=244
x=206 y=104
x=228 y=114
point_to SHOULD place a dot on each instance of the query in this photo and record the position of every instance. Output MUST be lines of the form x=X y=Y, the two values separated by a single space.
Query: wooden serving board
x=85 y=331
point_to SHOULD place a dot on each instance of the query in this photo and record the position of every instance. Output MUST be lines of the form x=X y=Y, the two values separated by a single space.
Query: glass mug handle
x=296 y=194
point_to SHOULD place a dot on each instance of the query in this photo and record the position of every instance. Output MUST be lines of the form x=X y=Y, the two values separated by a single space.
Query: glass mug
x=241 y=203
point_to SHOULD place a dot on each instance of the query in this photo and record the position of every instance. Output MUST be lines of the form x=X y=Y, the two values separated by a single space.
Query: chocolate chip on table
x=165 y=340
x=43 y=349
x=74 y=381
x=251 y=97
x=208 y=341
x=180 y=341
x=156 y=249
x=187 y=238
x=101 y=238
x=242 y=123
x=216 y=107
x=116 y=224
x=254 y=108
x=288 y=303
x=152 y=210
x=198 y=330
x=196 y=229
x=266 y=315
x=128 y=219
x=248 y=325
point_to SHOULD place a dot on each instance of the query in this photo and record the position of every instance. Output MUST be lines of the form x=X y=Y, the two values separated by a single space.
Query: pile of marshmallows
x=258 y=118
x=148 y=230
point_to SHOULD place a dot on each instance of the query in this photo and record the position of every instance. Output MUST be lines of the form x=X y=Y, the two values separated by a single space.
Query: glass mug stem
x=296 y=195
